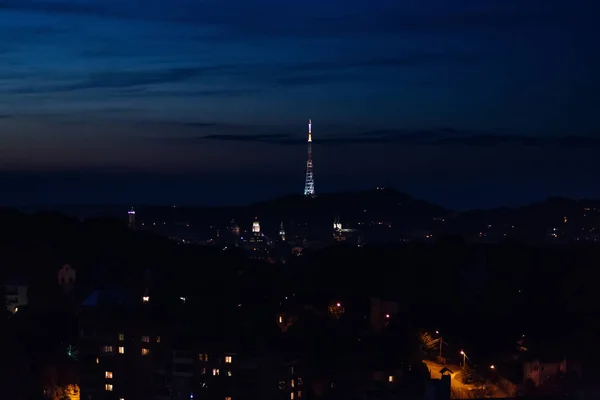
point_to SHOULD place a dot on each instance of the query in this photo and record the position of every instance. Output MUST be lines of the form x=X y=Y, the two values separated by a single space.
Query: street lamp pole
x=441 y=343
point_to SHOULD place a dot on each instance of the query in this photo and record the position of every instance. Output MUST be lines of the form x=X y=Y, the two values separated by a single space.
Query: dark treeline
x=481 y=296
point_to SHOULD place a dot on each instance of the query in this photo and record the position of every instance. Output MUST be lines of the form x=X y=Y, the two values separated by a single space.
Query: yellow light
x=462 y=352
x=146 y=299
x=492 y=367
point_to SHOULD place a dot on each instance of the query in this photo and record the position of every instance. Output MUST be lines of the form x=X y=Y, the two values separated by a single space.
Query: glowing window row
x=145 y=339
x=216 y=372
x=109 y=349
x=204 y=357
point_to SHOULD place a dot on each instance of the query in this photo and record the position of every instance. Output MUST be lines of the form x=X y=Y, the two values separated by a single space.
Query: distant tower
x=309 y=185
x=256 y=227
x=131 y=215
x=282 y=232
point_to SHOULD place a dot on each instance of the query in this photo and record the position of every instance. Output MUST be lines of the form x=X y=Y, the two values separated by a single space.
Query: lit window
x=391 y=378
x=203 y=357
x=203 y=371
x=146 y=339
x=107 y=349
x=158 y=339
x=227 y=397
x=108 y=387
x=97 y=360
x=280 y=319
x=121 y=350
x=215 y=371
x=292 y=369
x=229 y=373
x=281 y=385
x=292 y=396
x=292 y=383
x=228 y=359
x=145 y=352
x=299 y=394
x=146 y=299
x=299 y=381
x=121 y=336
x=123 y=398
x=108 y=375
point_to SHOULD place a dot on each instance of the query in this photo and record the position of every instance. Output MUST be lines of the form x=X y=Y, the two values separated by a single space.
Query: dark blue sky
x=464 y=102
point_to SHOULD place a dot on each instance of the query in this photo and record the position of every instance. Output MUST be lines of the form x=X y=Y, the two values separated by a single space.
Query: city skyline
x=471 y=105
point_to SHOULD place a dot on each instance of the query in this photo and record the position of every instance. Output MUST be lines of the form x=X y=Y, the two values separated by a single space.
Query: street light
x=462 y=353
x=492 y=366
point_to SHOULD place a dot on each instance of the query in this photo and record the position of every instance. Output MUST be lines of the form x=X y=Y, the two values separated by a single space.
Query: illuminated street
x=460 y=390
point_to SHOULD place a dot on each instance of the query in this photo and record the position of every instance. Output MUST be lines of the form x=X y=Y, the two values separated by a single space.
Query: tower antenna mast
x=309 y=184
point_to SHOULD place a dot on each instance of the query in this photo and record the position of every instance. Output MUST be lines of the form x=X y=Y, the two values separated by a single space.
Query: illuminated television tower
x=309 y=185
x=131 y=215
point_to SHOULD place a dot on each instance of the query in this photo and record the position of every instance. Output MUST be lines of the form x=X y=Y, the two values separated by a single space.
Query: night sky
x=467 y=103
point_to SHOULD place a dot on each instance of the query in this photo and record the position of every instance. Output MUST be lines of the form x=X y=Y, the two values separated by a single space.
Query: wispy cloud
x=334 y=18
x=446 y=137
x=259 y=75
x=386 y=63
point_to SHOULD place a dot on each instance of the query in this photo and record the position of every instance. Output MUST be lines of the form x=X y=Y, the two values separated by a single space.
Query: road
x=458 y=389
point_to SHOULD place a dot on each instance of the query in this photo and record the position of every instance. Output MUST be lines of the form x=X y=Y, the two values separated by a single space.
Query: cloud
x=130 y=79
x=315 y=78
x=173 y=58
x=336 y=18
x=438 y=137
x=243 y=79
x=265 y=138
